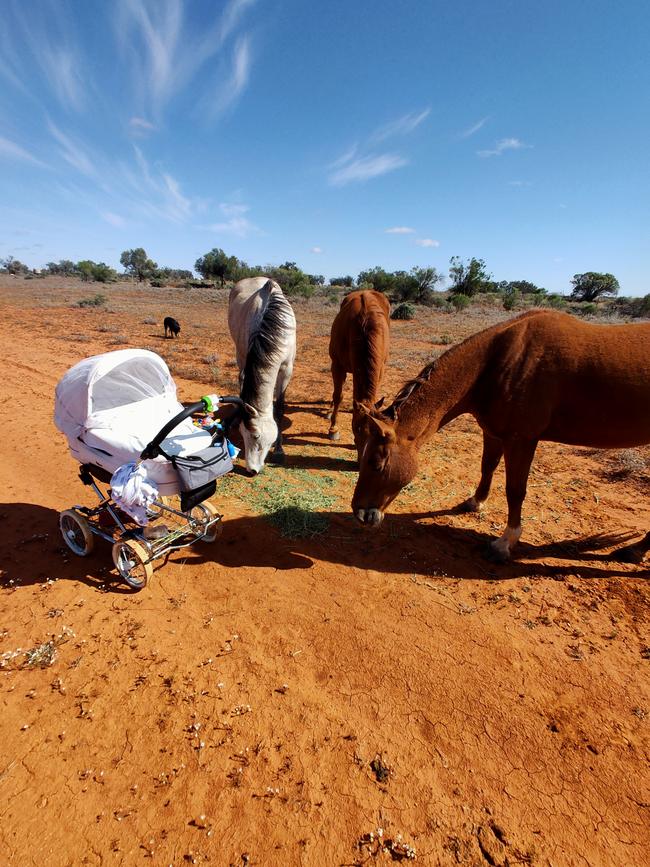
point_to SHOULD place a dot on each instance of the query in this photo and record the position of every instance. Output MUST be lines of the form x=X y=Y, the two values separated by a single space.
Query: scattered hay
x=40 y=656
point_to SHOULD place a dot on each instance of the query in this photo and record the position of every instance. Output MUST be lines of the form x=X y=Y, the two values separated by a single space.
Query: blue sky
x=340 y=134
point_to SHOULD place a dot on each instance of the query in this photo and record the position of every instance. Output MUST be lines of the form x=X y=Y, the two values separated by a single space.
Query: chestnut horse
x=542 y=376
x=359 y=344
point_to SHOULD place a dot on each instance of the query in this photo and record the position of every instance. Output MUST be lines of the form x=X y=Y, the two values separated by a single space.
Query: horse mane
x=265 y=344
x=424 y=375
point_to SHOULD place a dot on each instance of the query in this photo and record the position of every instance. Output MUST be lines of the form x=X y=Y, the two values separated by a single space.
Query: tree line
x=467 y=277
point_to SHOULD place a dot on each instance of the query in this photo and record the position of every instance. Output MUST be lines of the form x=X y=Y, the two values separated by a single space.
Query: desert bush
x=445 y=339
x=301 y=290
x=97 y=300
x=118 y=340
x=556 y=301
x=510 y=299
x=460 y=302
x=149 y=321
x=587 y=309
x=158 y=284
x=403 y=311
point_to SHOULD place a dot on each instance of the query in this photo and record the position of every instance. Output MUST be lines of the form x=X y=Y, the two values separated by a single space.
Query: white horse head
x=263 y=327
x=259 y=433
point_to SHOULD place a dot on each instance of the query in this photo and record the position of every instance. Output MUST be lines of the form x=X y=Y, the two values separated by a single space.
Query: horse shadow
x=32 y=551
x=449 y=553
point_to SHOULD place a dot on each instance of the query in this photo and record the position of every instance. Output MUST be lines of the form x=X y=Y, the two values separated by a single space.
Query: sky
x=340 y=135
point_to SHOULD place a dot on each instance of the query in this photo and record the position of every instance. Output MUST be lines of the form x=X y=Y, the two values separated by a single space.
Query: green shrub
x=94 y=301
x=302 y=290
x=460 y=302
x=510 y=300
x=587 y=309
x=403 y=311
x=558 y=302
x=158 y=284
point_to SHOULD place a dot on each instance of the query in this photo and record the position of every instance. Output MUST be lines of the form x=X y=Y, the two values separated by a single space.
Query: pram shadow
x=33 y=552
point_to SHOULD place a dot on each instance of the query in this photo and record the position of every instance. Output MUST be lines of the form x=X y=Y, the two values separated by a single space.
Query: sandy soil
x=273 y=701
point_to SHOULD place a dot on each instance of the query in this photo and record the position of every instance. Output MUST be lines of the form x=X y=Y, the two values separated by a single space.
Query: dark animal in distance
x=171 y=326
x=359 y=344
x=541 y=376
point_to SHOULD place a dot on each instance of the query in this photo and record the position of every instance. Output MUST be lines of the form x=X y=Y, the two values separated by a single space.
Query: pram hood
x=94 y=393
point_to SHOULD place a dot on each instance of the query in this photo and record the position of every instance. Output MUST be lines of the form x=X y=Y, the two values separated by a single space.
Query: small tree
x=591 y=285
x=468 y=278
x=137 y=264
x=216 y=265
x=382 y=281
x=13 y=266
x=342 y=281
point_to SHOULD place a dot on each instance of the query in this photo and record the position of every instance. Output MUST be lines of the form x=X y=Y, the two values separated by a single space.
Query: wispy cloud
x=240 y=227
x=402 y=126
x=470 y=131
x=113 y=219
x=427 y=242
x=364 y=168
x=233 y=209
x=316 y=250
x=503 y=145
x=400 y=230
x=72 y=152
x=165 y=54
x=359 y=163
x=520 y=183
x=140 y=126
x=13 y=151
x=228 y=92
x=47 y=41
x=63 y=70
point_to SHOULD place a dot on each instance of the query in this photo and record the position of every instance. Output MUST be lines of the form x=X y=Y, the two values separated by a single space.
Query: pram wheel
x=204 y=513
x=76 y=532
x=131 y=561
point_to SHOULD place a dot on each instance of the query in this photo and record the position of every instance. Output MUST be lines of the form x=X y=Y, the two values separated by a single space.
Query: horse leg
x=492 y=454
x=518 y=455
x=338 y=378
x=633 y=553
x=284 y=375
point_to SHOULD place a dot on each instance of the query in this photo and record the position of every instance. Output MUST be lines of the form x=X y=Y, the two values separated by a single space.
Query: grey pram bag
x=199 y=469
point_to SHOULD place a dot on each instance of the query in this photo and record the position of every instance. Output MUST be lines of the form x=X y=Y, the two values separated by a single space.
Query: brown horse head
x=387 y=461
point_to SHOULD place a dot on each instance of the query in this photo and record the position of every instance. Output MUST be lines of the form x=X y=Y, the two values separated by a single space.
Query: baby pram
x=121 y=408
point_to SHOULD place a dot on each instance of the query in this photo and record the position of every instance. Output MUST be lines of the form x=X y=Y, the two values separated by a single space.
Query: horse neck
x=443 y=391
x=258 y=387
x=368 y=364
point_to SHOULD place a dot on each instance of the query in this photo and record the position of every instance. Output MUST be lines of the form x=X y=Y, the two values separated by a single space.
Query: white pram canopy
x=111 y=406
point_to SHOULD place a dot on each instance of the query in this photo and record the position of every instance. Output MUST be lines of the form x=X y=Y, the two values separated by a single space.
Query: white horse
x=263 y=326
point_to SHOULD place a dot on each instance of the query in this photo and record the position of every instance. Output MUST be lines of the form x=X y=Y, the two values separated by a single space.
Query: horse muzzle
x=369 y=517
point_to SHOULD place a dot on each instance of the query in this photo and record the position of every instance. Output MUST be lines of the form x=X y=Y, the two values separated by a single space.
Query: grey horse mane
x=265 y=345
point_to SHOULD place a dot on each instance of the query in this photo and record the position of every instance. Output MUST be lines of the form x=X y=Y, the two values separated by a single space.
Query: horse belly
x=617 y=418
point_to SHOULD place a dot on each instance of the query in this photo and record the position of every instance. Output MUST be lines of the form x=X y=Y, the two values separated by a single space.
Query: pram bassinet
x=111 y=406
x=121 y=407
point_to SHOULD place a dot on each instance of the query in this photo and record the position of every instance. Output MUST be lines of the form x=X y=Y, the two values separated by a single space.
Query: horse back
x=360 y=340
x=551 y=376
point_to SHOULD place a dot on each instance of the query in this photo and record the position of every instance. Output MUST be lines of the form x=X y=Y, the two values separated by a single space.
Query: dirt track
x=230 y=712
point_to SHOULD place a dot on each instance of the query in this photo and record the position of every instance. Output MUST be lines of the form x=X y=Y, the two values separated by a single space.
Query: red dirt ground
x=231 y=713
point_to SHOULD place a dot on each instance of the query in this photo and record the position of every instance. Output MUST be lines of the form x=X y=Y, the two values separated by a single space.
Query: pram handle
x=152 y=450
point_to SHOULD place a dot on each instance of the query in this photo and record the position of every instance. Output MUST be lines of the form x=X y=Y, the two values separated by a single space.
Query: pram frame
x=141 y=550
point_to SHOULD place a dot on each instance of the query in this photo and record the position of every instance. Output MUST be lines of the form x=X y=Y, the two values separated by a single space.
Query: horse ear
x=384 y=430
x=250 y=410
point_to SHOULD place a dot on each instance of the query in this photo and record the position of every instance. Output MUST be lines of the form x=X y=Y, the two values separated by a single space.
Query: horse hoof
x=496 y=555
x=278 y=458
x=328 y=416
x=629 y=554
x=471 y=504
x=334 y=435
